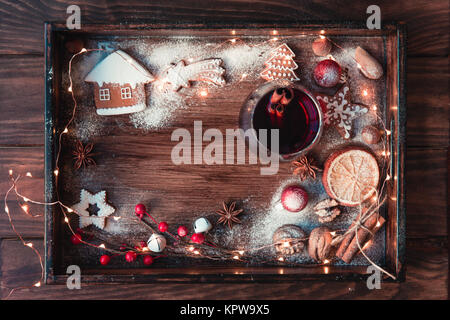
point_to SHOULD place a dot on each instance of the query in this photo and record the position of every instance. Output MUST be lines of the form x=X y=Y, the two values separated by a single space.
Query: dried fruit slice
x=351 y=176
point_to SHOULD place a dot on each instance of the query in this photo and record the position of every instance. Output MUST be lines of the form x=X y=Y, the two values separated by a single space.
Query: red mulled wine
x=291 y=111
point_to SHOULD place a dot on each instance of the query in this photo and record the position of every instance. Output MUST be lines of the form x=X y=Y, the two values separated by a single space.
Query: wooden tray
x=136 y=167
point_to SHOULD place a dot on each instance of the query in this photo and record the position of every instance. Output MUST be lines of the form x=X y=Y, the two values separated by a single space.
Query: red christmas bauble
x=76 y=238
x=130 y=256
x=182 y=231
x=327 y=73
x=294 y=198
x=105 y=259
x=148 y=260
x=198 y=238
x=163 y=226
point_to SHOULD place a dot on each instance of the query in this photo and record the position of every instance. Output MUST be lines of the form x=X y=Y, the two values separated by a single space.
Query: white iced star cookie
x=98 y=199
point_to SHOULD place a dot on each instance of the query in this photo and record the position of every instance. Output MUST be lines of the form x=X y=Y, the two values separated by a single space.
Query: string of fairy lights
x=191 y=249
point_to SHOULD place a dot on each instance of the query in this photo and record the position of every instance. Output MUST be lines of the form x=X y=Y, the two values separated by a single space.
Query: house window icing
x=125 y=93
x=104 y=95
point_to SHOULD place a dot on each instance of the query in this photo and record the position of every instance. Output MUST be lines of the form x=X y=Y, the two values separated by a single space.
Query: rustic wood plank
x=426 y=279
x=427 y=99
x=22 y=97
x=21 y=161
x=21 y=21
x=427 y=102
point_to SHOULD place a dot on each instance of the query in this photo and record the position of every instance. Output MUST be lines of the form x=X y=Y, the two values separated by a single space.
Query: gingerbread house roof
x=119 y=68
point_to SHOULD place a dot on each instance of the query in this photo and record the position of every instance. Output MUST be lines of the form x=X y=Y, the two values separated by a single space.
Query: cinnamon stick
x=348 y=251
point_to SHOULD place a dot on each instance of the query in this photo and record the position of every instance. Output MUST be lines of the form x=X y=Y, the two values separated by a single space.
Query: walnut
x=327 y=210
x=289 y=239
x=319 y=245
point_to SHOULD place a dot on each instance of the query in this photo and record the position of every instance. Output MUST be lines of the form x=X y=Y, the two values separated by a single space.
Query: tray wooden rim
x=223 y=274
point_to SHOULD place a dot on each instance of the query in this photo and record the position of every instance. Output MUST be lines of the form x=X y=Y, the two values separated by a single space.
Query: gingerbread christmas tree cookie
x=281 y=65
x=339 y=111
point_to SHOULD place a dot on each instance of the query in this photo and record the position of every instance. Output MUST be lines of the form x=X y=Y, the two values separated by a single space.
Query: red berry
x=198 y=238
x=163 y=226
x=294 y=198
x=182 y=231
x=139 y=210
x=148 y=260
x=143 y=244
x=76 y=238
x=327 y=73
x=104 y=259
x=130 y=256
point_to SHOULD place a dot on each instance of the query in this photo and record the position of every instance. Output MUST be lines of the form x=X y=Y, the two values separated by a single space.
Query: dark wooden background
x=22 y=138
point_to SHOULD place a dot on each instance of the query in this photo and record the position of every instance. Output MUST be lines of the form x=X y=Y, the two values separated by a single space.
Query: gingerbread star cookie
x=339 y=111
x=87 y=200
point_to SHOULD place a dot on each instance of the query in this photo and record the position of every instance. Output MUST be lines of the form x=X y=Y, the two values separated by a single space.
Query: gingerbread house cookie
x=119 y=84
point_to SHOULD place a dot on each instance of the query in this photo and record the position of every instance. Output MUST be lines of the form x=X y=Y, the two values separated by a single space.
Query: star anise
x=305 y=167
x=82 y=155
x=229 y=214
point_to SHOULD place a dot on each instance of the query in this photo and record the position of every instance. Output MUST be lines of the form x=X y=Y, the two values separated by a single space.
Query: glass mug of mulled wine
x=288 y=107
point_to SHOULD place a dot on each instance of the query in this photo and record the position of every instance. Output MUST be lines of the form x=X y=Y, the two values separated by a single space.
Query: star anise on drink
x=305 y=167
x=229 y=214
x=82 y=155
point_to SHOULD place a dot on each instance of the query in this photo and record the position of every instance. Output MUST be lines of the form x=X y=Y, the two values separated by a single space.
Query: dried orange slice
x=351 y=176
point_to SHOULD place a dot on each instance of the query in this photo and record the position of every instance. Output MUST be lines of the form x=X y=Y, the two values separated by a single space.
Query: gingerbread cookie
x=339 y=111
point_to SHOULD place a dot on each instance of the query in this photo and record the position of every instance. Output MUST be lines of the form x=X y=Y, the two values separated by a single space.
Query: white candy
x=156 y=243
x=202 y=225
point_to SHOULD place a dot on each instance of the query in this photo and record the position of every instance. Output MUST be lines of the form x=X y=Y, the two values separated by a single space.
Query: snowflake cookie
x=82 y=208
x=339 y=111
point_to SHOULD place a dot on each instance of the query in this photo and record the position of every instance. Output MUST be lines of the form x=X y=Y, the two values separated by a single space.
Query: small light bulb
x=236 y=257
x=233 y=40
x=322 y=37
x=56 y=172
x=326 y=261
x=196 y=252
x=10 y=172
x=374 y=108
x=69 y=89
x=191 y=248
x=66 y=220
x=66 y=130
x=358 y=65
x=83 y=50
x=25 y=208
x=203 y=93
x=241 y=252
x=29 y=244
x=102 y=246
x=322 y=31
x=333 y=233
x=233 y=32
x=326 y=270
x=26 y=199
x=378 y=224
x=388 y=177
x=388 y=132
x=365 y=93
x=274 y=39
x=280 y=259
x=7 y=209
x=117 y=218
x=29 y=174
x=274 y=32
x=37 y=284
x=69 y=210
x=286 y=244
